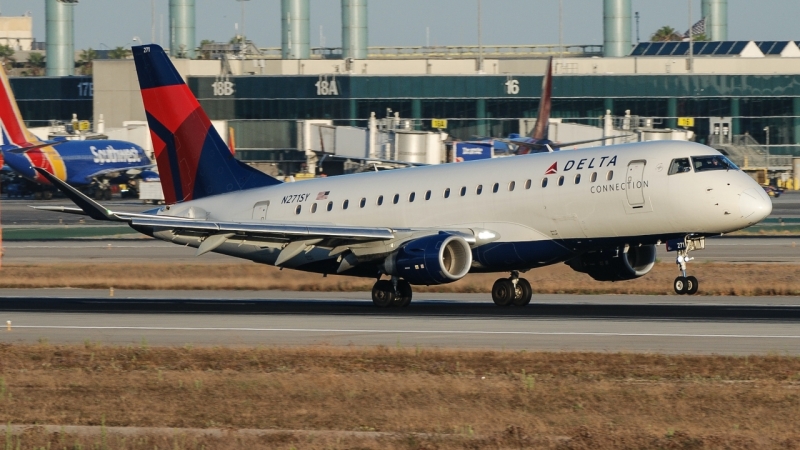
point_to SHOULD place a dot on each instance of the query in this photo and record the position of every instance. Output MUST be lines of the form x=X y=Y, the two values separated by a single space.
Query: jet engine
x=616 y=263
x=438 y=259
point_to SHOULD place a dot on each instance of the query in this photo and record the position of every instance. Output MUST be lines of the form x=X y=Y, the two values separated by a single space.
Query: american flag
x=698 y=28
x=323 y=195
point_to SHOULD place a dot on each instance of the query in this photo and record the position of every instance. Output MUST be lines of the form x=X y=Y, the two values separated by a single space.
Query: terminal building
x=729 y=93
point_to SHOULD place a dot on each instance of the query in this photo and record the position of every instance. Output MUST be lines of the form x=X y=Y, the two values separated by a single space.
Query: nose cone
x=755 y=205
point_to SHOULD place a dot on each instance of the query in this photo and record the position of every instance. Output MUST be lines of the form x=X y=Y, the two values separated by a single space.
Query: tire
x=106 y=194
x=404 y=294
x=692 y=285
x=98 y=194
x=680 y=285
x=37 y=195
x=47 y=195
x=382 y=293
x=524 y=293
x=503 y=292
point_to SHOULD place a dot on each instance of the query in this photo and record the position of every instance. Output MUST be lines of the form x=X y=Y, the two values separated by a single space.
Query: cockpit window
x=714 y=162
x=680 y=165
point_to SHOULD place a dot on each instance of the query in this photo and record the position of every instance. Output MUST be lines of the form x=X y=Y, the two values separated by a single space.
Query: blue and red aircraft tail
x=193 y=160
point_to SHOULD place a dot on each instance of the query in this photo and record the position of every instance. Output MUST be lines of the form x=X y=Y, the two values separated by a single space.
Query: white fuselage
x=612 y=192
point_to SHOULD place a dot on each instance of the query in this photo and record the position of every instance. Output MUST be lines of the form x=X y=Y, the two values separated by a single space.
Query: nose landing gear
x=512 y=291
x=686 y=285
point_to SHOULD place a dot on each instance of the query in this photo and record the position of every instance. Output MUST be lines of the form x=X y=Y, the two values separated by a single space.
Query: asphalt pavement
x=702 y=325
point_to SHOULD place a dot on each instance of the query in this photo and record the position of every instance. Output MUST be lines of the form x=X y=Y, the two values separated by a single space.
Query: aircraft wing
x=18 y=149
x=536 y=145
x=118 y=169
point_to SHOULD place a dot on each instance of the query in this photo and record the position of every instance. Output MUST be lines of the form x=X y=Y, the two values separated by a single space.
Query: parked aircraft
x=91 y=164
x=601 y=211
x=538 y=139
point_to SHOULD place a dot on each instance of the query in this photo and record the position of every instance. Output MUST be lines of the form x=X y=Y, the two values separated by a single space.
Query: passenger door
x=260 y=211
x=634 y=185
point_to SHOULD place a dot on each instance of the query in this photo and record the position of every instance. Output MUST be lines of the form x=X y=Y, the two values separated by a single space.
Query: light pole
x=767 y=146
x=243 y=38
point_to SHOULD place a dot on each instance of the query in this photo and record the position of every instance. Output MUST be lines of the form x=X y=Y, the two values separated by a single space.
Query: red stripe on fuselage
x=39 y=159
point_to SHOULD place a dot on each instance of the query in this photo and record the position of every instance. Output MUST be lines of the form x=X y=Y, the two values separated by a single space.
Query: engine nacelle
x=616 y=263
x=438 y=259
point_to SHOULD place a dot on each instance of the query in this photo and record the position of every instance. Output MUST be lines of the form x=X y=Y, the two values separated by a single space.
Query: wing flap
x=267 y=229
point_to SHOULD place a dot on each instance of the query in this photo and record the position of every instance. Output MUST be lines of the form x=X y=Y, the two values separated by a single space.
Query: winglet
x=90 y=207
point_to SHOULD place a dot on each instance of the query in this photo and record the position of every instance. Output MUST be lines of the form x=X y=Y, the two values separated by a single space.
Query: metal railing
x=451 y=51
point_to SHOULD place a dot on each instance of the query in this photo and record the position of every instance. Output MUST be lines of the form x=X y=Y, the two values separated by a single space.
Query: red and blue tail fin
x=539 y=131
x=193 y=160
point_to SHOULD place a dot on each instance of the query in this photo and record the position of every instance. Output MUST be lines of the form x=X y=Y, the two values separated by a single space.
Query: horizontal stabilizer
x=90 y=207
x=27 y=148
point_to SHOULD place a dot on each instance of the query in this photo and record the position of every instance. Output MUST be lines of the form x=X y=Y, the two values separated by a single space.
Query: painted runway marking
x=335 y=330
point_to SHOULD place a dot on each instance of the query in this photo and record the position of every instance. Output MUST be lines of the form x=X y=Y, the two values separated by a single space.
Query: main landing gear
x=513 y=290
x=687 y=285
x=394 y=292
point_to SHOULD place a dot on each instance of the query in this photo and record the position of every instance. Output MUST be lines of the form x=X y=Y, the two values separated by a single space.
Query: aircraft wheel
x=503 y=292
x=37 y=195
x=47 y=195
x=98 y=194
x=523 y=292
x=692 y=285
x=382 y=293
x=681 y=285
x=106 y=194
x=404 y=293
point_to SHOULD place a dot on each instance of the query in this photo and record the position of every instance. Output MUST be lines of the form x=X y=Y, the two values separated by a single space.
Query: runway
x=703 y=325
x=720 y=249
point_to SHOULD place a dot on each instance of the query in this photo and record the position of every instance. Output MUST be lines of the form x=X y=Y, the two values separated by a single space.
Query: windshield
x=714 y=162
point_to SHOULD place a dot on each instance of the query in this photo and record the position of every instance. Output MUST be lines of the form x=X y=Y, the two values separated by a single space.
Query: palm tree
x=86 y=61
x=35 y=64
x=119 y=53
x=700 y=37
x=7 y=56
x=666 y=33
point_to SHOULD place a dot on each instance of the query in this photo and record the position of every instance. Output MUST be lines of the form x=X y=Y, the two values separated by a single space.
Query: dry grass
x=418 y=398
x=715 y=279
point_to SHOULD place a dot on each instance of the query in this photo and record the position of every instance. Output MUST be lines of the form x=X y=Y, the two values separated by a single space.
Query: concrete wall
x=116 y=88
x=16 y=32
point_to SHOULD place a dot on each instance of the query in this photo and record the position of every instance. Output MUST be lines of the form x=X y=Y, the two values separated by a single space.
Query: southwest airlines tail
x=543 y=117
x=15 y=133
x=193 y=161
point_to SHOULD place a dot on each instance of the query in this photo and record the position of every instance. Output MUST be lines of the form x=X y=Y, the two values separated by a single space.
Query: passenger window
x=363 y=202
x=594 y=177
x=495 y=187
x=345 y=204
x=380 y=200
x=561 y=180
x=297 y=210
x=313 y=208
x=428 y=195
x=396 y=198
x=528 y=184
x=411 y=197
x=511 y=186
x=610 y=175
x=463 y=191
x=577 y=178
x=679 y=165
x=479 y=189
x=544 y=182
x=447 y=193
x=330 y=206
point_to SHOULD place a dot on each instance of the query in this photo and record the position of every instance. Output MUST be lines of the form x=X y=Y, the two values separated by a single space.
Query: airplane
x=601 y=211
x=537 y=139
x=91 y=164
